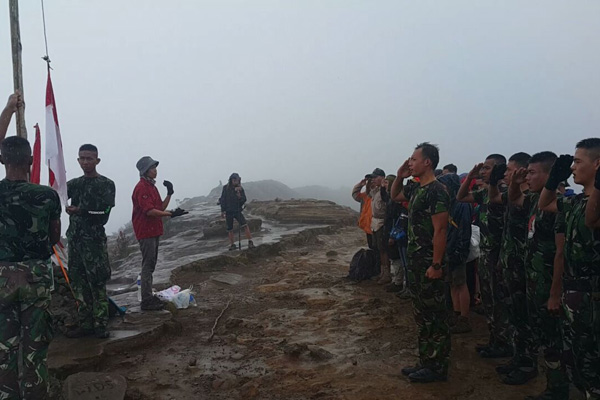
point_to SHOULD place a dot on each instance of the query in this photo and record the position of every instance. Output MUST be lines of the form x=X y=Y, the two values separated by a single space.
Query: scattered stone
x=295 y=349
x=228 y=278
x=95 y=386
x=233 y=322
x=331 y=253
x=319 y=354
x=237 y=356
x=192 y=362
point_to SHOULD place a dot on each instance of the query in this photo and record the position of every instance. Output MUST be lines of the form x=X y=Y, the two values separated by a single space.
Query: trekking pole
x=239 y=224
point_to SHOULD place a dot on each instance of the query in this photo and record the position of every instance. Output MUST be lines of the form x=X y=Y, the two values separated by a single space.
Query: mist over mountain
x=271 y=189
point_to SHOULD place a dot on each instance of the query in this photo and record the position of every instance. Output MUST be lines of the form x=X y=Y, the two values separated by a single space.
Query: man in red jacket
x=148 y=210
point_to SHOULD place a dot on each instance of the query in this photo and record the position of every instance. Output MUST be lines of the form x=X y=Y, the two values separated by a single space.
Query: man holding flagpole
x=14 y=101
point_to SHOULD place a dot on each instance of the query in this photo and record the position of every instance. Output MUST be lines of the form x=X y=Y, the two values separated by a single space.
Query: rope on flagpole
x=46 y=57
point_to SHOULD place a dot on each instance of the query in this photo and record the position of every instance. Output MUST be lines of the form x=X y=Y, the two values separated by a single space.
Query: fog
x=306 y=92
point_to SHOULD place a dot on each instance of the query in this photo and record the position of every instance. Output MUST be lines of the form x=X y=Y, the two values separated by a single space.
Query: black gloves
x=561 y=171
x=497 y=174
x=169 y=187
x=597 y=180
x=178 y=212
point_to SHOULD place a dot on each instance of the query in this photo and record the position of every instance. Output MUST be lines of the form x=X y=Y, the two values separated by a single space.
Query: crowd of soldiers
x=539 y=269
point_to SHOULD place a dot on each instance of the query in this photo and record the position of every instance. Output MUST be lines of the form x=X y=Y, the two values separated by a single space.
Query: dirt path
x=296 y=329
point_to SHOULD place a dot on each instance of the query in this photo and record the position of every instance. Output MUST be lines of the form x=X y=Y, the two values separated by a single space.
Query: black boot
x=505 y=369
x=425 y=375
x=79 y=332
x=519 y=377
x=406 y=371
x=496 y=352
x=552 y=394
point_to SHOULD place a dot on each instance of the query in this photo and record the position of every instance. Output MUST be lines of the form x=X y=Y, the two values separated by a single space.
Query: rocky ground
x=294 y=328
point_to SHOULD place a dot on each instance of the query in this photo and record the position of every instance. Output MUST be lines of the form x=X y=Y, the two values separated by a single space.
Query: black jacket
x=229 y=201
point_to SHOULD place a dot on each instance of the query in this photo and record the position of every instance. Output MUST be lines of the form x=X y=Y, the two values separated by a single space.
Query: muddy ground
x=296 y=329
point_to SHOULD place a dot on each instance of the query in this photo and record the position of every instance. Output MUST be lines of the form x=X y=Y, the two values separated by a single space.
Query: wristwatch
x=436 y=266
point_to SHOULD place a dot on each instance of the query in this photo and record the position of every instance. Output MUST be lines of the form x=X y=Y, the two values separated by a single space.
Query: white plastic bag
x=475 y=240
x=168 y=294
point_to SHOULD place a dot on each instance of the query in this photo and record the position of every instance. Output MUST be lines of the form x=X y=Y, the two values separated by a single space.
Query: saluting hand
x=520 y=176
x=475 y=171
x=404 y=170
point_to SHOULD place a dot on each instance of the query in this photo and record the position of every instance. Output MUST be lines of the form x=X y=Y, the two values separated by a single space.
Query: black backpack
x=363 y=265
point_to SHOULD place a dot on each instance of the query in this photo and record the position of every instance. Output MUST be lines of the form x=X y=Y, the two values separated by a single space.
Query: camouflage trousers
x=581 y=340
x=25 y=329
x=89 y=270
x=488 y=282
x=429 y=308
x=546 y=328
x=511 y=311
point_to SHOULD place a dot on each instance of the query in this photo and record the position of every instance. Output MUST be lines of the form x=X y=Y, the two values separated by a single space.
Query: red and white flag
x=54 y=148
x=34 y=177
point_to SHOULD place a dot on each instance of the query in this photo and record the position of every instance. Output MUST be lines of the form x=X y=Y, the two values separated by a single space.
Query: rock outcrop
x=307 y=211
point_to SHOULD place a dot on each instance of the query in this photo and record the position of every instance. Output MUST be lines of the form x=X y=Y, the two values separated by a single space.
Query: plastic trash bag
x=181 y=298
x=168 y=294
x=474 y=251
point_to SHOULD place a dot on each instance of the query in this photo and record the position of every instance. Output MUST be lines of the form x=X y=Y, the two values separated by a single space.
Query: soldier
x=510 y=307
x=29 y=226
x=539 y=261
x=92 y=198
x=581 y=277
x=148 y=210
x=427 y=225
x=490 y=224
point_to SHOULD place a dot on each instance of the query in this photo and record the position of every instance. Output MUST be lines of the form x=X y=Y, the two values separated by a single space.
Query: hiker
x=148 y=211
x=29 y=227
x=396 y=226
x=232 y=200
x=429 y=203
x=379 y=199
x=92 y=198
x=14 y=101
x=457 y=251
x=576 y=268
x=366 y=212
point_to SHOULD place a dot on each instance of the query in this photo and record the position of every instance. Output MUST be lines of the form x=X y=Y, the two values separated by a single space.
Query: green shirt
x=582 y=244
x=25 y=214
x=424 y=202
x=95 y=197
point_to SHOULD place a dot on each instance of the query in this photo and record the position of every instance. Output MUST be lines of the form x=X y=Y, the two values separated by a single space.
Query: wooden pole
x=15 y=35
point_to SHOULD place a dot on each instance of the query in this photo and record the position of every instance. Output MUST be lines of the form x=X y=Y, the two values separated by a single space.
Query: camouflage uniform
x=89 y=269
x=25 y=282
x=428 y=295
x=510 y=311
x=491 y=226
x=539 y=268
x=581 y=295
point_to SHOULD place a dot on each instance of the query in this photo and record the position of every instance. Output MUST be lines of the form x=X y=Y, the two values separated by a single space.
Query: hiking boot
x=452 y=318
x=393 y=288
x=406 y=371
x=251 y=244
x=425 y=375
x=232 y=247
x=496 y=352
x=101 y=333
x=384 y=279
x=551 y=394
x=462 y=325
x=505 y=369
x=152 y=304
x=519 y=377
x=79 y=332
x=404 y=295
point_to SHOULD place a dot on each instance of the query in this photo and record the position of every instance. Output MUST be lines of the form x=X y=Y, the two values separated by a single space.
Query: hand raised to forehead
x=497 y=174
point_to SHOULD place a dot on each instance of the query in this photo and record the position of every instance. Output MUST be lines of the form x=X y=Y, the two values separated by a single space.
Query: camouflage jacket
x=95 y=197
x=582 y=244
x=491 y=220
x=25 y=214
x=541 y=246
x=514 y=235
x=424 y=202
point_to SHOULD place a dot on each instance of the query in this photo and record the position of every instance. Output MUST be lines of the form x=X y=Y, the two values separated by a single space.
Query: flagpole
x=15 y=35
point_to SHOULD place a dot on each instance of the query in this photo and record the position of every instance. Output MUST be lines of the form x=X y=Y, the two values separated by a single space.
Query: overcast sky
x=306 y=92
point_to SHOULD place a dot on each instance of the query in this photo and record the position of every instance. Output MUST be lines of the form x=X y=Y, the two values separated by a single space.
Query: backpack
x=458 y=243
x=363 y=265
